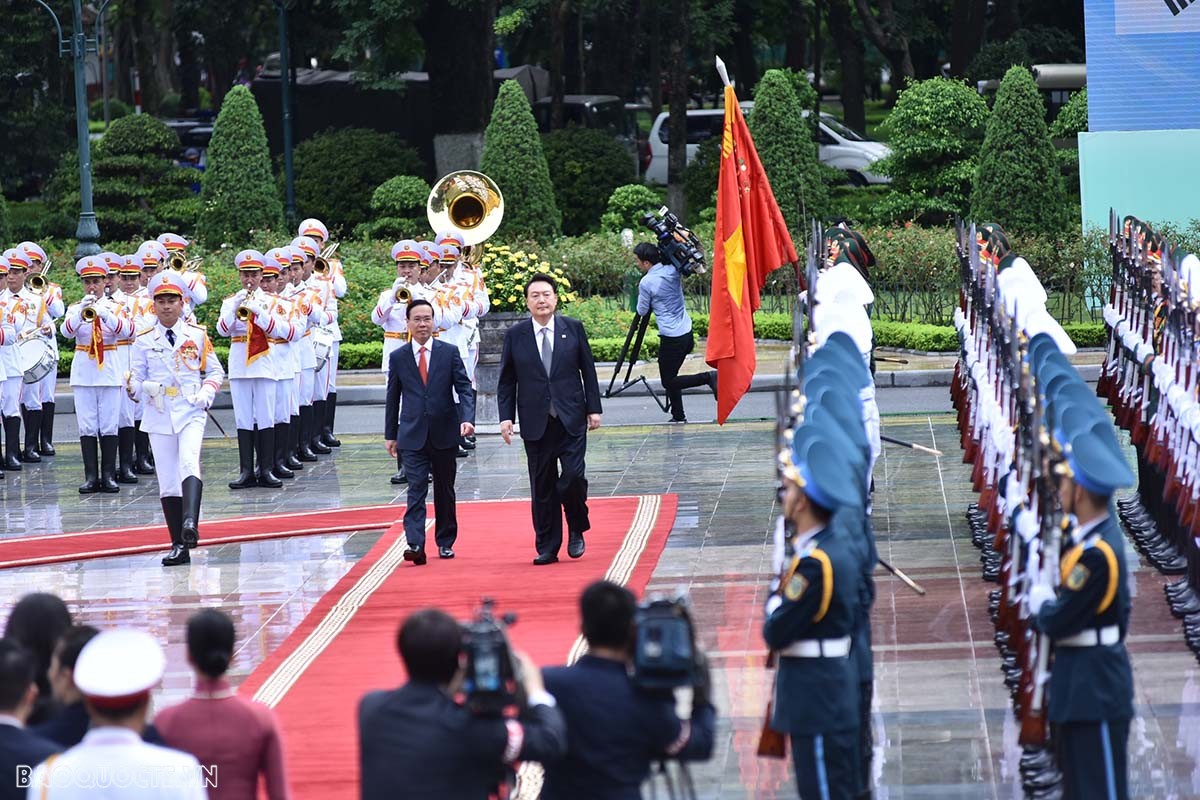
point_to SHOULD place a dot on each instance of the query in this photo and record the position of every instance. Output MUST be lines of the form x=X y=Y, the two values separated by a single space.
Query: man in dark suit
x=18 y=747
x=548 y=383
x=417 y=742
x=426 y=427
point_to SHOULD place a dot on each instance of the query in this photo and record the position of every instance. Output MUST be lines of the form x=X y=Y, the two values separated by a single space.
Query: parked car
x=837 y=145
x=604 y=112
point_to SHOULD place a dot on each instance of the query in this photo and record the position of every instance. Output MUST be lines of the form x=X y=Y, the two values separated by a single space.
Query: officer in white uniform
x=132 y=307
x=316 y=317
x=149 y=257
x=175 y=377
x=252 y=370
x=95 y=378
x=286 y=356
x=332 y=286
x=37 y=399
x=15 y=308
x=115 y=672
x=196 y=282
x=8 y=338
x=317 y=399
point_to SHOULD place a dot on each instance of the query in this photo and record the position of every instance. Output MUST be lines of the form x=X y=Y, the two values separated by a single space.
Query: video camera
x=677 y=244
x=664 y=654
x=493 y=682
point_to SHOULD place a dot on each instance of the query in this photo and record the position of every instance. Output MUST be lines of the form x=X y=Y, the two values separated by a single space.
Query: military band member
x=96 y=323
x=315 y=317
x=175 y=377
x=8 y=338
x=37 y=399
x=389 y=314
x=477 y=302
x=287 y=357
x=195 y=281
x=810 y=623
x=332 y=286
x=149 y=264
x=18 y=312
x=1087 y=616
x=124 y=273
x=246 y=318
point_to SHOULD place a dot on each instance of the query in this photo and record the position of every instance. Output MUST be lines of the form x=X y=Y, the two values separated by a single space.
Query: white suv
x=838 y=146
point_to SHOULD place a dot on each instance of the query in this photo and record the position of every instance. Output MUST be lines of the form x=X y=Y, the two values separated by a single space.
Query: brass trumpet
x=322 y=265
x=37 y=282
x=244 y=314
x=404 y=295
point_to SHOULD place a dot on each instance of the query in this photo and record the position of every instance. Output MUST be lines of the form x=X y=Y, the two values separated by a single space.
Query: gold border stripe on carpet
x=286 y=674
x=531 y=775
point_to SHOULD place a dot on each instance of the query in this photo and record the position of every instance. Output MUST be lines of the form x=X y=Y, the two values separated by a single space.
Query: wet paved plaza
x=942 y=724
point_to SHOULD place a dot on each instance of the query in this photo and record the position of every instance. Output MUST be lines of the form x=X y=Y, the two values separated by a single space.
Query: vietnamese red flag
x=752 y=241
x=256 y=342
x=96 y=346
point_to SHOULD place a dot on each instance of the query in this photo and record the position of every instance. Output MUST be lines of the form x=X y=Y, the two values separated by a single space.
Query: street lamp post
x=87 y=232
x=285 y=88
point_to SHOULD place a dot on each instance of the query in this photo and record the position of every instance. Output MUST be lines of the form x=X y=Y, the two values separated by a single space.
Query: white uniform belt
x=818 y=648
x=1109 y=634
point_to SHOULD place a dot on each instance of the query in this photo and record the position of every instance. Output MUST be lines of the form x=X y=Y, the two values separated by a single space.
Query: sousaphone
x=468 y=203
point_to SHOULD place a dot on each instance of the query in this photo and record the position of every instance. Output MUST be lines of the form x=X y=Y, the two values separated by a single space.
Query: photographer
x=417 y=742
x=661 y=291
x=615 y=730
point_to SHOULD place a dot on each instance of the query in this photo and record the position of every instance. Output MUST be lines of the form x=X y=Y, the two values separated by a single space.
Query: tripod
x=638 y=326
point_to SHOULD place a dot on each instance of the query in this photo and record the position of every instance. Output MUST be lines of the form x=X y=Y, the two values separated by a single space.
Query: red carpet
x=29 y=550
x=346 y=645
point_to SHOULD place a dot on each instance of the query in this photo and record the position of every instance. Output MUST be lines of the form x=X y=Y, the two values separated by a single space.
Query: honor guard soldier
x=148 y=261
x=96 y=324
x=126 y=274
x=390 y=313
x=17 y=311
x=332 y=286
x=315 y=317
x=115 y=673
x=175 y=376
x=1087 y=617
x=247 y=320
x=37 y=399
x=287 y=357
x=811 y=619
x=9 y=333
x=195 y=281
x=322 y=337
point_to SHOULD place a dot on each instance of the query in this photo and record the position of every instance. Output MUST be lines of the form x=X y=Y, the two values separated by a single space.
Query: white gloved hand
x=151 y=388
x=1143 y=352
x=1012 y=491
x=108 y=318
x=1026 y=525
x=1039 y=594
x=1110 y=315
x=203 y=398
x=1122 y=329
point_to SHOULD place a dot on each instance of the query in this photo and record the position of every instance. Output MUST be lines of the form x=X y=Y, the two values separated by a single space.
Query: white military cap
x=118 y=668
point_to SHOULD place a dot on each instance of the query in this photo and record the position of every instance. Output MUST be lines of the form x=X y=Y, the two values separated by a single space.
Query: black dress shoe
x=468 y=442
x=399 y=478
x=445 y=552
x=415 y=554
x=462 y=452
x=575 y=545
x=178 y=555
x=545 y=558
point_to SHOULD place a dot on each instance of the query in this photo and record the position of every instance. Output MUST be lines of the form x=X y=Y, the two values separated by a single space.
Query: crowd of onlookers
x=76 y=701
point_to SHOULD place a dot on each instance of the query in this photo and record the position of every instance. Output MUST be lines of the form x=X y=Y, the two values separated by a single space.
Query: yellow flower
x=545 y=265
x=566 y=283
x=512 y=298
x=558 y=271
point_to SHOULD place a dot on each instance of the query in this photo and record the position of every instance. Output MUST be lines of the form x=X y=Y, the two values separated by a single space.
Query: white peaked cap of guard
x=842 y=283
x=1042 y=321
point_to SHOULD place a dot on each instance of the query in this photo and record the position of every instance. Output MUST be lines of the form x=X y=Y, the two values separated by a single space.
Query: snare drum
x=322 y=345
x=38 y=359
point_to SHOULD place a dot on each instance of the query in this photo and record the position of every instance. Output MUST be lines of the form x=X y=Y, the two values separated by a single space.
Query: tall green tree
x=1017 y=181
x=5 y=227
x=788 y=152
x=239 y=194
x=513 y=158
x=935 y=132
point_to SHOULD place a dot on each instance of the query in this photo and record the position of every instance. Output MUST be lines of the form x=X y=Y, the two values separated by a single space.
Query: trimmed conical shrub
x=787 y=149
x=1017 y=181
x=239 y=193
x=513 y=158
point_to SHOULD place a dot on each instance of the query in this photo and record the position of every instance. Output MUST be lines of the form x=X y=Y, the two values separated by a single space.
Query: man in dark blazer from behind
x=426 y=427
x=548 y=383
x=18 y=691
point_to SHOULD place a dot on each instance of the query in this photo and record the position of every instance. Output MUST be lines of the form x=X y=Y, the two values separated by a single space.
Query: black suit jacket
x=415 y=742
x=524 y=391
x=20 y=747
x=428 y=411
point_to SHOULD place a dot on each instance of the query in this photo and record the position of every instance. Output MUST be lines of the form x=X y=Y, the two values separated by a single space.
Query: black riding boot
x=91 y=465
x=318 y=428
x=293 y=444
x=33 y=427
x=125 y=437
x=304 y=449
x=108 y=464
x=173 y=512
x=245 y=478
x=327 y=437
x=265 y=440
x=12 y=442
x=193 y=488
x=280 y=467
x=46 y=439
x=141 y=451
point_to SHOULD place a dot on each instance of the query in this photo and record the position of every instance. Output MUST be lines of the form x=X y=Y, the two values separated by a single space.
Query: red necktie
x=423 y=367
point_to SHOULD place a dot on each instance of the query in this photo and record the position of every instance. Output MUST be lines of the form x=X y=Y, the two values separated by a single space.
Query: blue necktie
x=171 y=337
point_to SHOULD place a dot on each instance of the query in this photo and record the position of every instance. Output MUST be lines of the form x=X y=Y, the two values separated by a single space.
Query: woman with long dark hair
x=36 y=622
x=236 y=736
